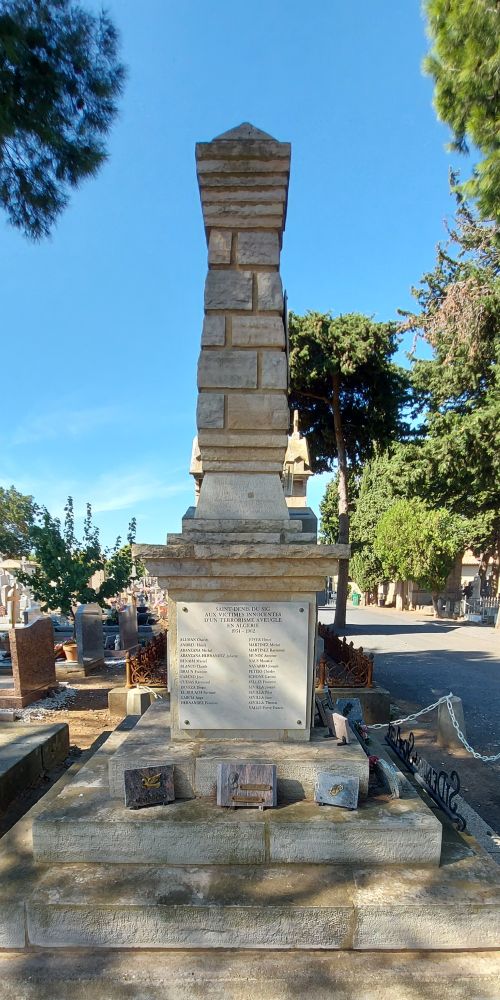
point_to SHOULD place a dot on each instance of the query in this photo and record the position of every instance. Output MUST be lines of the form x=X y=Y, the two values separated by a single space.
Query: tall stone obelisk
x=242 y=577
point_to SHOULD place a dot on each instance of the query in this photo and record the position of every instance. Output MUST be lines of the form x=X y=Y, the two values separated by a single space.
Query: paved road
x=420 y=659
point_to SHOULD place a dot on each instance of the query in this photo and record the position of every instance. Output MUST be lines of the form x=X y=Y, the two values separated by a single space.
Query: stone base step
x=85 y=825
x=230 y=975
x=281 y=907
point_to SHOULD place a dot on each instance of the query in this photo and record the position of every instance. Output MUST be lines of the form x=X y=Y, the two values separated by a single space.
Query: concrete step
x=233 y=975
x=85 y=825
x=27 y=752
x=279 y=907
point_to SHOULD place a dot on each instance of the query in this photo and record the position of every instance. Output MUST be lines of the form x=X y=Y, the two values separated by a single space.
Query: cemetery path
x=419 y=659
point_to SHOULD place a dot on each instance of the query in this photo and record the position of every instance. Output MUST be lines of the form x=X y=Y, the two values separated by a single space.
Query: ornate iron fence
x=149 y=665
x=346 y=666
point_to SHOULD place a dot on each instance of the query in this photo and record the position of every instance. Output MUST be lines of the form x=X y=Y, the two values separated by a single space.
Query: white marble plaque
x=242 y=666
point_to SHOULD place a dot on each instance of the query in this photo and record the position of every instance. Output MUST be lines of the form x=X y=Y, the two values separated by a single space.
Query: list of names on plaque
x=242 y=666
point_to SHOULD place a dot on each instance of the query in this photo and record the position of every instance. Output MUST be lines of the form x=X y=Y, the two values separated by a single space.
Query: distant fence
x=348 y=666
x=149 y=665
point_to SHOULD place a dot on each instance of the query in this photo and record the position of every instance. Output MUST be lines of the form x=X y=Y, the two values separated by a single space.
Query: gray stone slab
x=336 y=790
x=170 y=908
x=228 y=290
x=127 y=622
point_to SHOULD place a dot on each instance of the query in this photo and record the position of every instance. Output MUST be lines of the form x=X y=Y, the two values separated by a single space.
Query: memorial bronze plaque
x=246 y=785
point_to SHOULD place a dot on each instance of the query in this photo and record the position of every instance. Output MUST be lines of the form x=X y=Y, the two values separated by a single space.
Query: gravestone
x=127 y=622
x=89 y=637
x=33 y=663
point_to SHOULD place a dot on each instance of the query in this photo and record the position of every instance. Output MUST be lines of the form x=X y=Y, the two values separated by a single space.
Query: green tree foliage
x=17 y=513
x=459 y=387
x=465 y=63
x=329 y=514
x=387 y=477
x=415 y=542
x=59 y=81
x=350 y=395
x=66 y=564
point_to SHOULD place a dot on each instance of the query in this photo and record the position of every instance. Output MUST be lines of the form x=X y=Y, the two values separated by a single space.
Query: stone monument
x=241 y=580
x=89 y=637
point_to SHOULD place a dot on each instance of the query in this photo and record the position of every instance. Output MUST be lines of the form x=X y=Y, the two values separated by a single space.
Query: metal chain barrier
x=430 y=708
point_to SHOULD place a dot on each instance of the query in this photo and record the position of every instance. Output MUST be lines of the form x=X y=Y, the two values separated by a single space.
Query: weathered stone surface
x=258 y=331
x=242 y=194
x=214 y=331
x=447 y=735
x=229 y=975
x=242 y=439
x=219 y=247
x=259 y=411
x=228 y=290
x=269 y=290
x=210 y=409
x=274 y=370
x=227 y=369
x=242 y=167
x=242 y=495
x=258 y=247
x=26 y=752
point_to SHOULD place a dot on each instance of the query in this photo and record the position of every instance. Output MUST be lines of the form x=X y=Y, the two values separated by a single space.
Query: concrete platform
x=87 y=826
x=196 y=762
x=232 y=975
x=278 y=907
x=27 y=752
x=106 y=906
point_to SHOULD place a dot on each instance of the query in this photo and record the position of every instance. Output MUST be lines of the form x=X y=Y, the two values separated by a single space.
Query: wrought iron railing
x=149 y=665
x=343 y=664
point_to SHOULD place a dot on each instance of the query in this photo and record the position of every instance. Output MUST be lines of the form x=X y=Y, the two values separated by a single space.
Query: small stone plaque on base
x=149 y=786
x=341 y=727
x=336 y=790
x=246 y=785
x=350 y=708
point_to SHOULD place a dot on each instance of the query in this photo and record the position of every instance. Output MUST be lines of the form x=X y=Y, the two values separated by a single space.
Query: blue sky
x=101 y=324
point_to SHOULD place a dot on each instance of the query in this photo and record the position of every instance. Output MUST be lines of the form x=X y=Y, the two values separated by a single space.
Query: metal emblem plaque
x=336 y=790
x=149 y=786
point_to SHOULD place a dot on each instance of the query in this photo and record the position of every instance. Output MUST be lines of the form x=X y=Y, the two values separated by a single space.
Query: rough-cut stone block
x=250 y=412
x=12 y=924
x=274 y=370
x=242 y=167
x=227 y=369
x=214 y=331
x=219 y=247
x=239 y=194
x=210 y=409
x=258 y=248
x=219 y=214
x=269 y=290
x=258 y=331
x=228 y=290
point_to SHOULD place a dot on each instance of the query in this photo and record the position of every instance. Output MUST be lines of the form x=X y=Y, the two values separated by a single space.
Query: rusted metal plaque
x=336 y=790
x=149 y=786
x=244 y=785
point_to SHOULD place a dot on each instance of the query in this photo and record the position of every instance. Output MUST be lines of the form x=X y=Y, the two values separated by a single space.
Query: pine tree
x=59 y=81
